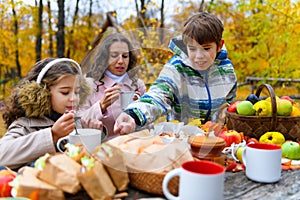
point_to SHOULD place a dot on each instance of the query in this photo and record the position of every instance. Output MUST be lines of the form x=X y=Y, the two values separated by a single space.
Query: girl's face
x=65 y=94
x=118 y=58
x=203 y=56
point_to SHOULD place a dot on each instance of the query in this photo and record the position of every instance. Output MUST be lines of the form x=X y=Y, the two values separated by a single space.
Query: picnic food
x=263 y=108
x=231 y=136
x=284 y=107
x=272 y=137
x=6 y=176
x=291 y=150
x=232 y=106
x=245 y=108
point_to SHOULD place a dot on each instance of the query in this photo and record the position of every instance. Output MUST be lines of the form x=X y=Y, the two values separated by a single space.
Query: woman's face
x=118 y=58
x=65 y=94
x=202 y=56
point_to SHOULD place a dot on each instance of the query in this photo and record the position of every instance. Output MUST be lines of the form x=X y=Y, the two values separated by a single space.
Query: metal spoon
x=76 y=118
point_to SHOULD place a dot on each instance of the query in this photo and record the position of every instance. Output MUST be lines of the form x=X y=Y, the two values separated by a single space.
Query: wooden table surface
x=238 y=186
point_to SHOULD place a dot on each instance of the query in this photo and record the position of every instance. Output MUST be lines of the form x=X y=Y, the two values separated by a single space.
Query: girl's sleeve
x=18 y=149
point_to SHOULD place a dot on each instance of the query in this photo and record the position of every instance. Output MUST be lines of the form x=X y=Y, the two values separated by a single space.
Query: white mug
x=198 y=180
x=126 y=98
x=262 y=162
x=90 y=139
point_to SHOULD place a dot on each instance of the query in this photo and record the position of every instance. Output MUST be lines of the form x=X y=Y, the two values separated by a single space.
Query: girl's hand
x=110 y=96
x=63 y=126
x=92 y=123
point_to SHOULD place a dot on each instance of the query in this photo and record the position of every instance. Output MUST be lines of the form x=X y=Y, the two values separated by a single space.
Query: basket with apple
x=258 y=115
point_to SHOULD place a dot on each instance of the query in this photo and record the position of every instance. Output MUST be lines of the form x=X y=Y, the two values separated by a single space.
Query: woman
x=111 y=73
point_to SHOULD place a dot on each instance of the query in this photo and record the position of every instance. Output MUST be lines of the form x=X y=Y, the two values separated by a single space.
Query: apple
x=231 y=136
x=252 y=140
x=239 y=153
x=272 y=137
x=287 y=98
x=284 y=107
x=232 y=106
x=245 y=108
x=5 y=177
x=291 y=150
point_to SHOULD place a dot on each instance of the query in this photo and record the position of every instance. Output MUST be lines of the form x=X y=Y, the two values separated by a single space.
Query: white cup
x=126 y=98
x=198 y=180
x=262 y=162
x=90 y=138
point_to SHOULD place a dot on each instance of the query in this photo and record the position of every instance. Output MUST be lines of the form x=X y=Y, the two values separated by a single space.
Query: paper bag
x=61 y=171
x=151 y=154
x=112 y=159
x=96 y=181
x=31 y=187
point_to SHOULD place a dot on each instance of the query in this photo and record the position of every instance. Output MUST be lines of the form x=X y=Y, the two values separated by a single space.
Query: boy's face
x=65 y=94
x=202 y=56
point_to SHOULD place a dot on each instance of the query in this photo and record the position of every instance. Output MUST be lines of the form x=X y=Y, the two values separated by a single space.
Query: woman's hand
x=63 y=126
x=124 y=124
x=110 y=96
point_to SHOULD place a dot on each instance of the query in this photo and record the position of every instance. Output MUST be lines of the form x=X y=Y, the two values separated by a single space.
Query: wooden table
x=238 y=186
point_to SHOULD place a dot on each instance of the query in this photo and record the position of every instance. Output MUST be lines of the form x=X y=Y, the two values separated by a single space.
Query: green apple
x=284 y=107
x=291 y=150
x=245 y=108
x=239 y=153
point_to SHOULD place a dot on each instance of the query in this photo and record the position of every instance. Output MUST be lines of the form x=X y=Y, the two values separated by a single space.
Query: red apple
x=232 y=106
x=287 y=98
x=5 y=188
x=231 y=136
x=252 y=140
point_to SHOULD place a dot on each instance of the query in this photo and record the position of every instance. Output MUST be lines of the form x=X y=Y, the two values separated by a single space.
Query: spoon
x=76 y=118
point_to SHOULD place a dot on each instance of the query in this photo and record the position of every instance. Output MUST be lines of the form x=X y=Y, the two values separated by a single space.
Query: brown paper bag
x=151 y=154
x=112 y=159
x=76 y=151
x=32 y=187
x=61 y=171
x=97 y=182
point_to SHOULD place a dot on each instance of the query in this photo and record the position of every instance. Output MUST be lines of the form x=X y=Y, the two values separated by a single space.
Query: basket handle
x=273 y=102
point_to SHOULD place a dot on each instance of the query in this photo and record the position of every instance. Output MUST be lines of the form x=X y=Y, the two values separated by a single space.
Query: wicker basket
x=255 y=126
x=151 y=182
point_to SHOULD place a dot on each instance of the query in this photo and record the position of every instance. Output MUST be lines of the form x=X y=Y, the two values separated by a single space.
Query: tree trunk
x=70 y=41
x=60 y=35
x=162 y=19
x=38 y=44
x=50 y=30
x=16 y=32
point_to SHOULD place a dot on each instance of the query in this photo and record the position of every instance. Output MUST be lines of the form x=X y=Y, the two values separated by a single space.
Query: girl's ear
x=220 y=45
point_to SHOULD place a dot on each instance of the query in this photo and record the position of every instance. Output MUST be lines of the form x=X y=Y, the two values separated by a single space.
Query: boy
x=195 y=82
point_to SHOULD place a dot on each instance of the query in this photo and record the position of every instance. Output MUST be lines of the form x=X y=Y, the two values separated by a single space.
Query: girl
x=41 y=110
x=111 y=73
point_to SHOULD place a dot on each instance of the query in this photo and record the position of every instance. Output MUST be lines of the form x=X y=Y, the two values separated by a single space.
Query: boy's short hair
x=203 y=28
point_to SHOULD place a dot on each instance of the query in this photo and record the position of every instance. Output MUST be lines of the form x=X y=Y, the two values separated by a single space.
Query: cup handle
x=167 y=178
x=244 y=156
x=61 y=143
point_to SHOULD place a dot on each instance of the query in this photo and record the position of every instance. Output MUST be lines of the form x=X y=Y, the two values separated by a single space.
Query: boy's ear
x=220 y=45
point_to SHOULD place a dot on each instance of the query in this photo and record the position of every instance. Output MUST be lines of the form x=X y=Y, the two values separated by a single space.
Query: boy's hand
x=63 y=126
x=124 y=124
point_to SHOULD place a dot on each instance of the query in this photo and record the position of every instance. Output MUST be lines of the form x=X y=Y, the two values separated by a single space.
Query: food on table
x=6 y=176
x=284 y=107
x=252 y=98
x=232 y=107
x=263 y=108
x=272 y=137
x=245 y=108
x=291 y=150
x=231 y=136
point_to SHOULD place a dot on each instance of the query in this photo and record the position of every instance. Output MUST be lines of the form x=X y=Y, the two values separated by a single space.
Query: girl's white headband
x=53 y=62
